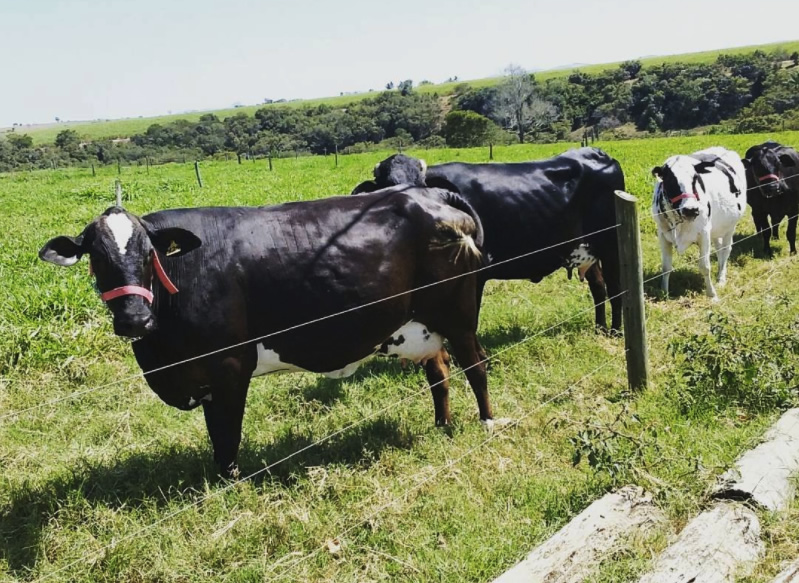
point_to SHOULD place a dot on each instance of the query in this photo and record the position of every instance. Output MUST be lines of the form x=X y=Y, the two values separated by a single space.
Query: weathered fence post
x=270 y=160
x=336 y=152
x=118 y=192
x=197 y=172
x=632 y=285
x=94 y=173
x=119 y=166
x=490 y=151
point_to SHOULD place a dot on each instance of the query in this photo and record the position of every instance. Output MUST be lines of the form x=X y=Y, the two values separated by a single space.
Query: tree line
x=758 y=91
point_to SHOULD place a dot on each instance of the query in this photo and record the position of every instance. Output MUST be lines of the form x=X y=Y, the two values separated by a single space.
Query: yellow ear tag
x=173 y=249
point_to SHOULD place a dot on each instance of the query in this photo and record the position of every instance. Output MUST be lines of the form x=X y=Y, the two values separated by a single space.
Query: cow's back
x=529 y=206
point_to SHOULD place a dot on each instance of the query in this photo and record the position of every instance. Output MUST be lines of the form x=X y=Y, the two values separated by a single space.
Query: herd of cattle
x=324 y=285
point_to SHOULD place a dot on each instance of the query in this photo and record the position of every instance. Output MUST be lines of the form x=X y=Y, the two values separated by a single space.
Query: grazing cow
x=699 y=199
x=262 y=273
x=530 y=206
x=772 y=179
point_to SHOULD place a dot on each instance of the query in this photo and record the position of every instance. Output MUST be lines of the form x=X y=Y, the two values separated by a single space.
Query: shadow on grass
x=683 y=281
x=142 y=480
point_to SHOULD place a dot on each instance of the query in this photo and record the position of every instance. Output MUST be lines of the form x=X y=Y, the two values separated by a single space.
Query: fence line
x=320 y=441
x=298 y=326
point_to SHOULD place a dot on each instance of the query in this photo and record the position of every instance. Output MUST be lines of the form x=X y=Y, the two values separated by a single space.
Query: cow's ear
x=173 y=241
x=787 y=160
x=657 y=171
x=746 y=162
x=368 y=186
x=704 y=167
x=63 y=250
x=437 y=182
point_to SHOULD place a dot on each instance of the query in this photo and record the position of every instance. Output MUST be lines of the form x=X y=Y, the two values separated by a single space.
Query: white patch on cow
x=413 y=342
x=581 y=259
x=121 y=228
x=424 y=167
x=269 y=362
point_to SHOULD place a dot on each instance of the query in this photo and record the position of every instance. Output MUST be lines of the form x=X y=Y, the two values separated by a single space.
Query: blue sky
x=113 y=58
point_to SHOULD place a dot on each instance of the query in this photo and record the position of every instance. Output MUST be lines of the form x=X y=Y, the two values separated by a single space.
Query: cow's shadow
x=684 y=280
x=144 y=479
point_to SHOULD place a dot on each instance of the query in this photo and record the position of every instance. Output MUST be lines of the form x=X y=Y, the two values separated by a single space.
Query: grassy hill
x=46 y=133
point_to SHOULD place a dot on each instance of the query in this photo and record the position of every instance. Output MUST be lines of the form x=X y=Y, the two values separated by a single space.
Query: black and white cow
x=526 y=207
x=699 y=199
x=772 y=178
x=250 y=273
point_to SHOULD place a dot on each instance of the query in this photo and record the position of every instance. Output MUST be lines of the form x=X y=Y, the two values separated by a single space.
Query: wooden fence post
x=119 y=166
x=197 y=172
x=118 y=192
x=94 y=173
x=632 y=285
x=490 y=151
x=336 y=151
x=270 y=160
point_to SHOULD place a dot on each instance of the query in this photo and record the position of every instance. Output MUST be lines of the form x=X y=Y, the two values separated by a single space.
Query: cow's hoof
x=491 y=424
x=793 y=252
x=231 y=472
x=722 y=282
x=714 y=299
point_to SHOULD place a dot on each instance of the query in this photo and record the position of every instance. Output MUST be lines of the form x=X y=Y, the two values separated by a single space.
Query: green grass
x=46 y=134
x=405 y=500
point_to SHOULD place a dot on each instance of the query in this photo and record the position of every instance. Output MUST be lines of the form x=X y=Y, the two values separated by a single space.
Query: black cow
x=530 y=206
x=772 y=180
x=254 y=272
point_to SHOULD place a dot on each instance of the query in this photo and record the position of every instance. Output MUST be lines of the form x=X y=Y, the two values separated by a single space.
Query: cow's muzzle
x=690 y=212
x=134 y=327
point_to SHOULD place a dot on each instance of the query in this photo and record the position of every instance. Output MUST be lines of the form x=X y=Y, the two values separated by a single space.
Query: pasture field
x=115 y=128
x=113 y=485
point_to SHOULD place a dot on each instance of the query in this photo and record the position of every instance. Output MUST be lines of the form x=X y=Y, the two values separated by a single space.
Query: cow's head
x=765 y=168
x=401 y=169
x=122 y=253
x=681 y=184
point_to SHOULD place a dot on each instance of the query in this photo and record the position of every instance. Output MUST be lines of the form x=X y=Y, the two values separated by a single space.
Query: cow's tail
x=469 y=243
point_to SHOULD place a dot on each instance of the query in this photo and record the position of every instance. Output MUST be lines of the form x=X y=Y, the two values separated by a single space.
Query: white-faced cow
x=772 y=178
x=250 y=273
x=532 y=206
x=699 y=199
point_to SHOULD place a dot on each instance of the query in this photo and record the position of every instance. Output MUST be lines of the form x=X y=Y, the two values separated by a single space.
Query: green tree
x=20 y=141
x=464 y=129
x=67 y=140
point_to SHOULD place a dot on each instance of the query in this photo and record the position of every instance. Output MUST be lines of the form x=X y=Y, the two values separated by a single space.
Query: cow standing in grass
x=395 y=266
x=772 y=178
x=538 y=216
x=699 y=199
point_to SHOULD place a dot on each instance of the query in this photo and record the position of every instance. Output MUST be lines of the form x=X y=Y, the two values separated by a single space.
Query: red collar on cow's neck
x=137 y=290
x=767 y=176
x=684 y=195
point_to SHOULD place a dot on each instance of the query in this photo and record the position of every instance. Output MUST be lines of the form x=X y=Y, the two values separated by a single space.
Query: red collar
x=137 y=290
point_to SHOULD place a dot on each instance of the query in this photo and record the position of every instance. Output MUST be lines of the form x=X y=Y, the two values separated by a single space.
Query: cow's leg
x=471 y=357
x=223 y=417
x=437 y=369
x=790 y=234
x=666 y=253
x=762 y=227
x=704 y=264
x=723 y=250
x=775 y=228
x=599 y=294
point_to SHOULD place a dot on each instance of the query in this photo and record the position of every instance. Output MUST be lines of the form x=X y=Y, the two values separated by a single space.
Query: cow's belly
x=413 y=341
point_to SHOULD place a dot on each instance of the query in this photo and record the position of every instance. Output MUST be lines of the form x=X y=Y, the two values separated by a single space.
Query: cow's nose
x=690 y=212
x=134 y=327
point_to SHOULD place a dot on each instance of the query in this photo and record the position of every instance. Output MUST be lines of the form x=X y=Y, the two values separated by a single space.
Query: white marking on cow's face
x=121 y=228
x=413 y=342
